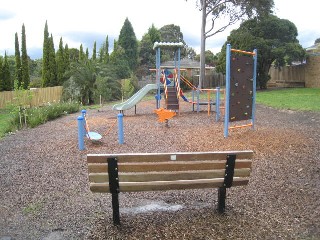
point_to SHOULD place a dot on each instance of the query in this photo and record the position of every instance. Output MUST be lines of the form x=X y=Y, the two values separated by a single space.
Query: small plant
x=33 y=208
x=32 y=117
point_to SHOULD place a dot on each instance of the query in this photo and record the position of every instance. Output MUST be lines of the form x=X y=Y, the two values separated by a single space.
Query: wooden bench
x=115 y=173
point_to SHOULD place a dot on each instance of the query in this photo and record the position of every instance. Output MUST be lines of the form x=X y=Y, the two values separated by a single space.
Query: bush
x=39 y=115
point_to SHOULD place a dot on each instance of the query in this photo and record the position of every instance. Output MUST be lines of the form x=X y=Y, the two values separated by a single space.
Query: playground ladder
x=172 y=102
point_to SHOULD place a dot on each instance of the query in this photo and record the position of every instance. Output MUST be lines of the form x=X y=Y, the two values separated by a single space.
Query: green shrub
x=38 y=115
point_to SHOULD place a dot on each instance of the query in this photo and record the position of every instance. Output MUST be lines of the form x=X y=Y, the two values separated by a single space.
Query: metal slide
x=137 y=97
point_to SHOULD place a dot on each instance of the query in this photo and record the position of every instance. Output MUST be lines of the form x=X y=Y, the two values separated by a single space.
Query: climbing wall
x=241 y=88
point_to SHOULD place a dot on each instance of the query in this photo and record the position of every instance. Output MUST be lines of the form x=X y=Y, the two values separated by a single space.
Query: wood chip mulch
x=44 y=192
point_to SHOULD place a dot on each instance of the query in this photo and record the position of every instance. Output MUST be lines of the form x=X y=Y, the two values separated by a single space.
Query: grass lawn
x=5 y=122
x=304 y=99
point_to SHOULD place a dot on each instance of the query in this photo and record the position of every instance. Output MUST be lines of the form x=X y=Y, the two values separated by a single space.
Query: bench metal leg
x=115 y=209
x=228 y=179
x=222 y=192
x=114 y=188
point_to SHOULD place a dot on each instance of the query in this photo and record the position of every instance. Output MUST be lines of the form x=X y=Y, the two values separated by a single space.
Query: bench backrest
x=168 y=171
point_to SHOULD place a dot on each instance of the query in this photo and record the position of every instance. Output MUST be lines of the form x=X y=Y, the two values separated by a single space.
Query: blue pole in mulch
x=217 y=104
x=81 y=133
x=120 y=128
x=83 y=113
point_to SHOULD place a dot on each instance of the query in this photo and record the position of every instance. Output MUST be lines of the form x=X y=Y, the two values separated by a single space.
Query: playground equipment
x=164 y=115
x=83 y=130
x=94 y=136
x=171 y=92
x=167 y=75
x=240 y=88
x=137 y=97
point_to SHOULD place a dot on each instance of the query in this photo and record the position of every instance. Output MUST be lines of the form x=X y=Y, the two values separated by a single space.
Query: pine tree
x=67 y=58
x=1 y=75
x=128 y=41
x=18 y=73
x=94 y=51
x=6 y=76
x=60 y=60
x=81 y=53
x=52 y=70
x=45 y=57
x=106 y=50
x=24 y=60
x=87 y=53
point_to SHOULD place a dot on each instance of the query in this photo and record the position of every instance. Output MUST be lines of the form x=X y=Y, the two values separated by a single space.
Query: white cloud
x=94 y=20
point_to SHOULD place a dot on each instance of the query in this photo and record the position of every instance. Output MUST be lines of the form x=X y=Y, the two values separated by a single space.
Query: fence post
x=120 y=128
x=81 y=133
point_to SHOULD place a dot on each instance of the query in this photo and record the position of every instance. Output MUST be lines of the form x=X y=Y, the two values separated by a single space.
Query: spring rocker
x=164 y=115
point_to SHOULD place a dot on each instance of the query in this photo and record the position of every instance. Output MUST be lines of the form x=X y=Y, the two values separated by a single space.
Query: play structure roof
x=168 y=45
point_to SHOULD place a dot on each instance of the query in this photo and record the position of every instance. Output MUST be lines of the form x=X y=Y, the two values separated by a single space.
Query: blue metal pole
x=120 y=128
x=254 y=88
x=81 y=133
x=83 y=113
x=198 y=99
x=217 y=104
x=226 y=115
x=158 y=66
x=179 y=63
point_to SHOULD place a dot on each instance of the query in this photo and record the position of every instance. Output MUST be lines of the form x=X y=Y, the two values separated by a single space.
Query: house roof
x=313 y=47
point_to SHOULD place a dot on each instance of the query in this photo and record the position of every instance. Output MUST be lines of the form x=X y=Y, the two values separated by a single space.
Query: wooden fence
x=31 y=98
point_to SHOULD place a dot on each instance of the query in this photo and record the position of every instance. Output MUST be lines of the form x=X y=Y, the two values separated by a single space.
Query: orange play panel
x=164 y=114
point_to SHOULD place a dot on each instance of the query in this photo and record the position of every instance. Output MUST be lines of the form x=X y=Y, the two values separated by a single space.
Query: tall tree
x=52 y=66
x=1 y=75
x=230 y=12
x=128 y=41
x=18 y=74
x=24 y=60
x=81 y=53
x=6 y=76
x=94 y=51
x=87 y=53
x=60 y=60
x=275 y=40
x=119 y=61
x=67 y=57
x=106 y=51
x=147 y=55
x=154 y=34
x=172 y=33
x=45 y=57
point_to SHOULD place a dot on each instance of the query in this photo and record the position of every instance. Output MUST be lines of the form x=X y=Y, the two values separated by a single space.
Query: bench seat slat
x=167 y=176
x=167 y=185
x=168 y=166
x=163 y=157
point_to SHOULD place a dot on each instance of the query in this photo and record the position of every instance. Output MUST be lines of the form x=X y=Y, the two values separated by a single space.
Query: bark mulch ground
x=44 y=192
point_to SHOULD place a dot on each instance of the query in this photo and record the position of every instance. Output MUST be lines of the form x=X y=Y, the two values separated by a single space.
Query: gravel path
x=45 y=194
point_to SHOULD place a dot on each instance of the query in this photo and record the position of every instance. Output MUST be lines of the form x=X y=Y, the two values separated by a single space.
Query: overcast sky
x=83 y=22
